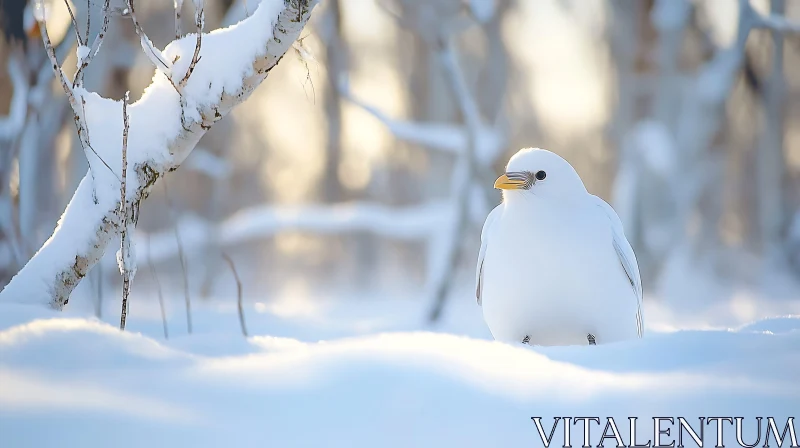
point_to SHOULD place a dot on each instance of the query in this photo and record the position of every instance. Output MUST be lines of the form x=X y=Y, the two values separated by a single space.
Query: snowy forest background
x=334 y=217
x=361 y=172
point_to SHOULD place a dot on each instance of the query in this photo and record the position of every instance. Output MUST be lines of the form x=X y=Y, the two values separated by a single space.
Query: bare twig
x=125 y=249
x=77 y=108
x=88 y=19
x=57 y=71
x=74 y=23
x=158 y=289
x=238 y=292
x=98 y=41
x=51 y=275
x=183 y=262
x=199 y=21
x=152 y=53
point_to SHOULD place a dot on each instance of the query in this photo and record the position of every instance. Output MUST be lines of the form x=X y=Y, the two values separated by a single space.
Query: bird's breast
x=549 y=270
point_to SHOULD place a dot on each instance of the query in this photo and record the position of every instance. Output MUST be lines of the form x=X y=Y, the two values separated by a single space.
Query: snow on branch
x=401 y=223
x=199 y=22
x=153 y=54
x=86 y=54
x=437 y=136
x=165 y=125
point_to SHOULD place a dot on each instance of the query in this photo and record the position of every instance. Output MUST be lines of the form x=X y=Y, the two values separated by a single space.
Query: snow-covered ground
x=365 y=373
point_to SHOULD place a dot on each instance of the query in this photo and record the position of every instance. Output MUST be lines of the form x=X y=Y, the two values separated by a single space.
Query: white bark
x=91 y=219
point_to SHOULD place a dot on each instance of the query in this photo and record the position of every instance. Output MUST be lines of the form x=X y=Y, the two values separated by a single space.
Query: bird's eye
x=540 y=175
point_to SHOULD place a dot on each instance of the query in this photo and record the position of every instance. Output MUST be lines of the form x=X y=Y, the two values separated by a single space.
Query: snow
x=126 y=255
x=353 y=373
x=40 y=10
x=156 y=139
x=42 y=269
x=84 y=383
x=82 y=53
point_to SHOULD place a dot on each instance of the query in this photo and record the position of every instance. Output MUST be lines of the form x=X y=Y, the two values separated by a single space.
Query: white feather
x=485 y=232
x=554 y=264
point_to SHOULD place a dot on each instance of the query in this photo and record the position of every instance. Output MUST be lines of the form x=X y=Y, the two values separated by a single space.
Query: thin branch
x=88 y=224
x=125 y=249
x=96 y=44
x=182 y=259
x=158 y=288
x=74 y=23
x=48 y=46
x=199 y=21
x=152 y=53
x=80 y=123
x=238 y=292
x=88 y=19
x=78 y=112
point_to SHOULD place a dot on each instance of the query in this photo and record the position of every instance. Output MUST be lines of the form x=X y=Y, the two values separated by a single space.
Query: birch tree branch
x=199 y=22
x=411 y=223
x=437 y=136
x=239 y=59
x=127 y=263
x=178 y=4
x=462 y=177
x=85 y=59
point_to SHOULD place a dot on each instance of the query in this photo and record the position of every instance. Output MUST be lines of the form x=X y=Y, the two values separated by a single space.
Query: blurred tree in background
x=679 y=112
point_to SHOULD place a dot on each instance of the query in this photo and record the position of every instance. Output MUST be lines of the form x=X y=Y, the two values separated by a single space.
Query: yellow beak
x=504 y=183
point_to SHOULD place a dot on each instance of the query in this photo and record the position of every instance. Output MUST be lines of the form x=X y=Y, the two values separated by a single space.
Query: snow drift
x=80 y=382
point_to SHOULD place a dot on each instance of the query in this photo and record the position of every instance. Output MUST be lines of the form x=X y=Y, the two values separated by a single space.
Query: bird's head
x=540 y=172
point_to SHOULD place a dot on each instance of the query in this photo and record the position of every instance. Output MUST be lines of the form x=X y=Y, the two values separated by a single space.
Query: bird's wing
x=627 y=258
x=485 y=232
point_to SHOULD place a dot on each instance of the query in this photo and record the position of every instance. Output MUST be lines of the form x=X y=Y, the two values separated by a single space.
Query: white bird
x=554 y=266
